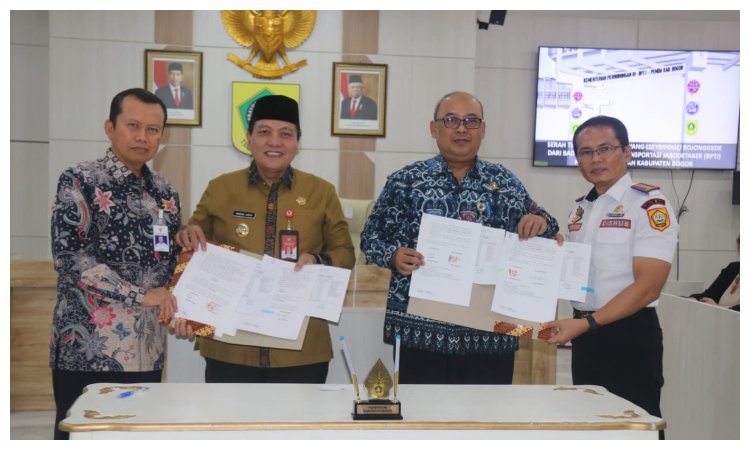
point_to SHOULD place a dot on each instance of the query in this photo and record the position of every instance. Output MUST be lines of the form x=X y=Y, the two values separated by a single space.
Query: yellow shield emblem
x=658 y=218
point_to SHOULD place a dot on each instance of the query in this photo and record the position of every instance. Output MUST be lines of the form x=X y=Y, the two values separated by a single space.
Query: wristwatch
x=593 y=324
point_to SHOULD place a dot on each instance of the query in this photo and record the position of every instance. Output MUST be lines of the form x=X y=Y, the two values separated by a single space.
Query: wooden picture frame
x=167 y=70
x=359 y=99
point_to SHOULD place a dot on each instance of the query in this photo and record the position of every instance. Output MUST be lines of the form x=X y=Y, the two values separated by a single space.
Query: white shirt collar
x=618 y=189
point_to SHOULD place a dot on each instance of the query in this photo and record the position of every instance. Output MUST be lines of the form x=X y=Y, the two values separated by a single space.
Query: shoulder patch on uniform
x=652 y=202
x=658 y=218
x=644 y=187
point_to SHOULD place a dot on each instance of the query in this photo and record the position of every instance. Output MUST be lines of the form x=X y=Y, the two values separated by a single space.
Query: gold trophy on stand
x=379 y=405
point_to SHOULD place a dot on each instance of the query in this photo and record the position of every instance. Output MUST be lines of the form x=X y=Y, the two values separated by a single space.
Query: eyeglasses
x=603 y=150
x=471 y=123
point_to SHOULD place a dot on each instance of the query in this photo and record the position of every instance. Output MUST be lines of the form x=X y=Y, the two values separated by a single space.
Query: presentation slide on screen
x=681 y=108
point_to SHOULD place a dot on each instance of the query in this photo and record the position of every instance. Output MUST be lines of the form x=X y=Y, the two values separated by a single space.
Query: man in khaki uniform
x=248 y=208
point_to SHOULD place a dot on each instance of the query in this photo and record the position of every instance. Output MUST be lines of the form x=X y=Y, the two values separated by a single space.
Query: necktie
x=353 y=109
x=177 y=97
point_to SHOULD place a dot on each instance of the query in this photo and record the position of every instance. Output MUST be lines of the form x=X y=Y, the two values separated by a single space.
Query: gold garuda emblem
x=268 y=32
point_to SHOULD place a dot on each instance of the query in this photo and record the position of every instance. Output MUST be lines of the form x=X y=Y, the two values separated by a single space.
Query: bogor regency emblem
x=268 y=32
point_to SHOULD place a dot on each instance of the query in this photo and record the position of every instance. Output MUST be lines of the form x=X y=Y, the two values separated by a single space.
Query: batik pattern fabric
x=489 y=194
x=103 y=251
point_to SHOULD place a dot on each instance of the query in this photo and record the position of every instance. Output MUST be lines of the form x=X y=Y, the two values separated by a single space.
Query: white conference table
x=299 y=411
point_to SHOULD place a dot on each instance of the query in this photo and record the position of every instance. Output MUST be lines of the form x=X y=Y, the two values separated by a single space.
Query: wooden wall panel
x=356 y=171
x=173 y=161
x=356 y=175
x=30 y=376
x=175 y=29
x=361 y=32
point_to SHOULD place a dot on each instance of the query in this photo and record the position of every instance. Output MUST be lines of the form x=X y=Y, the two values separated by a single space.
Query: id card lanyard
x=289 y=239
x=161 y=234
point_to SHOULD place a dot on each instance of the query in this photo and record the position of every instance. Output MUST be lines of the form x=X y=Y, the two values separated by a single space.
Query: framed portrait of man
x=359 y=99
x=176 y=78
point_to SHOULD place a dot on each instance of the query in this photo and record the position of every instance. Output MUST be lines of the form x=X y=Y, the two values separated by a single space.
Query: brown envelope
x=477 y=315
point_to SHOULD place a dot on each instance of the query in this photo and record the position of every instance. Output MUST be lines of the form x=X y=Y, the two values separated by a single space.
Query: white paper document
x=327 y=296
x=529 y=276
x=528 y=286
x=575 y=272
x=275 y=300
x=489 y=256
x=233 y=291
x=449 y=247
x=210 y=287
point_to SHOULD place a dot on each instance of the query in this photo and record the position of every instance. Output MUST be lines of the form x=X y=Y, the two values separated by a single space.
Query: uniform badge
x=652 y=202
x=468 y=216
x=578 y=215
x=644 y=187
x=619 y=211
x=242 y=229
x=615 y=223
x=245 y=214
x=481 y=207
x=658 y=218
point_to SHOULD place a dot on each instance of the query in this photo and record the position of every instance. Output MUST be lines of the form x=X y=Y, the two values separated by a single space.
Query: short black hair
x=621 y=132
x=115 y=109
x=442 y=99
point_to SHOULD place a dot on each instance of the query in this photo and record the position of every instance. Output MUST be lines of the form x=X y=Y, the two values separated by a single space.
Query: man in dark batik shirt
x=111 y=283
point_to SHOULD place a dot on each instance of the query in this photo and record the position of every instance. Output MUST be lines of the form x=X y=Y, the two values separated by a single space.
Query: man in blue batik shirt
x=455 y=184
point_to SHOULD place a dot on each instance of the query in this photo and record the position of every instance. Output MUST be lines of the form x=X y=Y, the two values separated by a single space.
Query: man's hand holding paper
x=527 y=276
x=230 y=291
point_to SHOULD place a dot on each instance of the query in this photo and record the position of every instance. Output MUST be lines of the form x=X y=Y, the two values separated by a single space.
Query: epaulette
x=645 y=187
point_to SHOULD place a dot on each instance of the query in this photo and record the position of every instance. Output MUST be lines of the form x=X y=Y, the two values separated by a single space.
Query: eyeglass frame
x=460 y=121
x=603 y=150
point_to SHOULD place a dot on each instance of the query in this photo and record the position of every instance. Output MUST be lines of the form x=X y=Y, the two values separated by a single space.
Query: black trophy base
x=377 y=409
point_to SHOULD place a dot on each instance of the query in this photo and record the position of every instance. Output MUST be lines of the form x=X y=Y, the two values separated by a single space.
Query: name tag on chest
x=244 y=214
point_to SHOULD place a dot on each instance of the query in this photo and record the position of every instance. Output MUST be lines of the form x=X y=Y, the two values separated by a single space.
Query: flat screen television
x=681 y=107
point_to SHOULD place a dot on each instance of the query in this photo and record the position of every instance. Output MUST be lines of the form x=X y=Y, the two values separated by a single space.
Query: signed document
x=449 y=247
x=529 y=284
x=210 y=288
x=232 y=291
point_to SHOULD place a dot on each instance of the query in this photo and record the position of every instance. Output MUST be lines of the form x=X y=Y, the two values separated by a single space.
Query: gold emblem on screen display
x=268 y=32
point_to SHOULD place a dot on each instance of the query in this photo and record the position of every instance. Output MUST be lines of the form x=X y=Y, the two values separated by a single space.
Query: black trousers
x=68 y=386
x=223 y=372
x=625 y=357
x=424 y=367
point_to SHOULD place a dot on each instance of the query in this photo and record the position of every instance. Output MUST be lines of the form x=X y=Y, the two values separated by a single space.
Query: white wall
x=700 y=398
x=73 y=62
x=29 y=148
